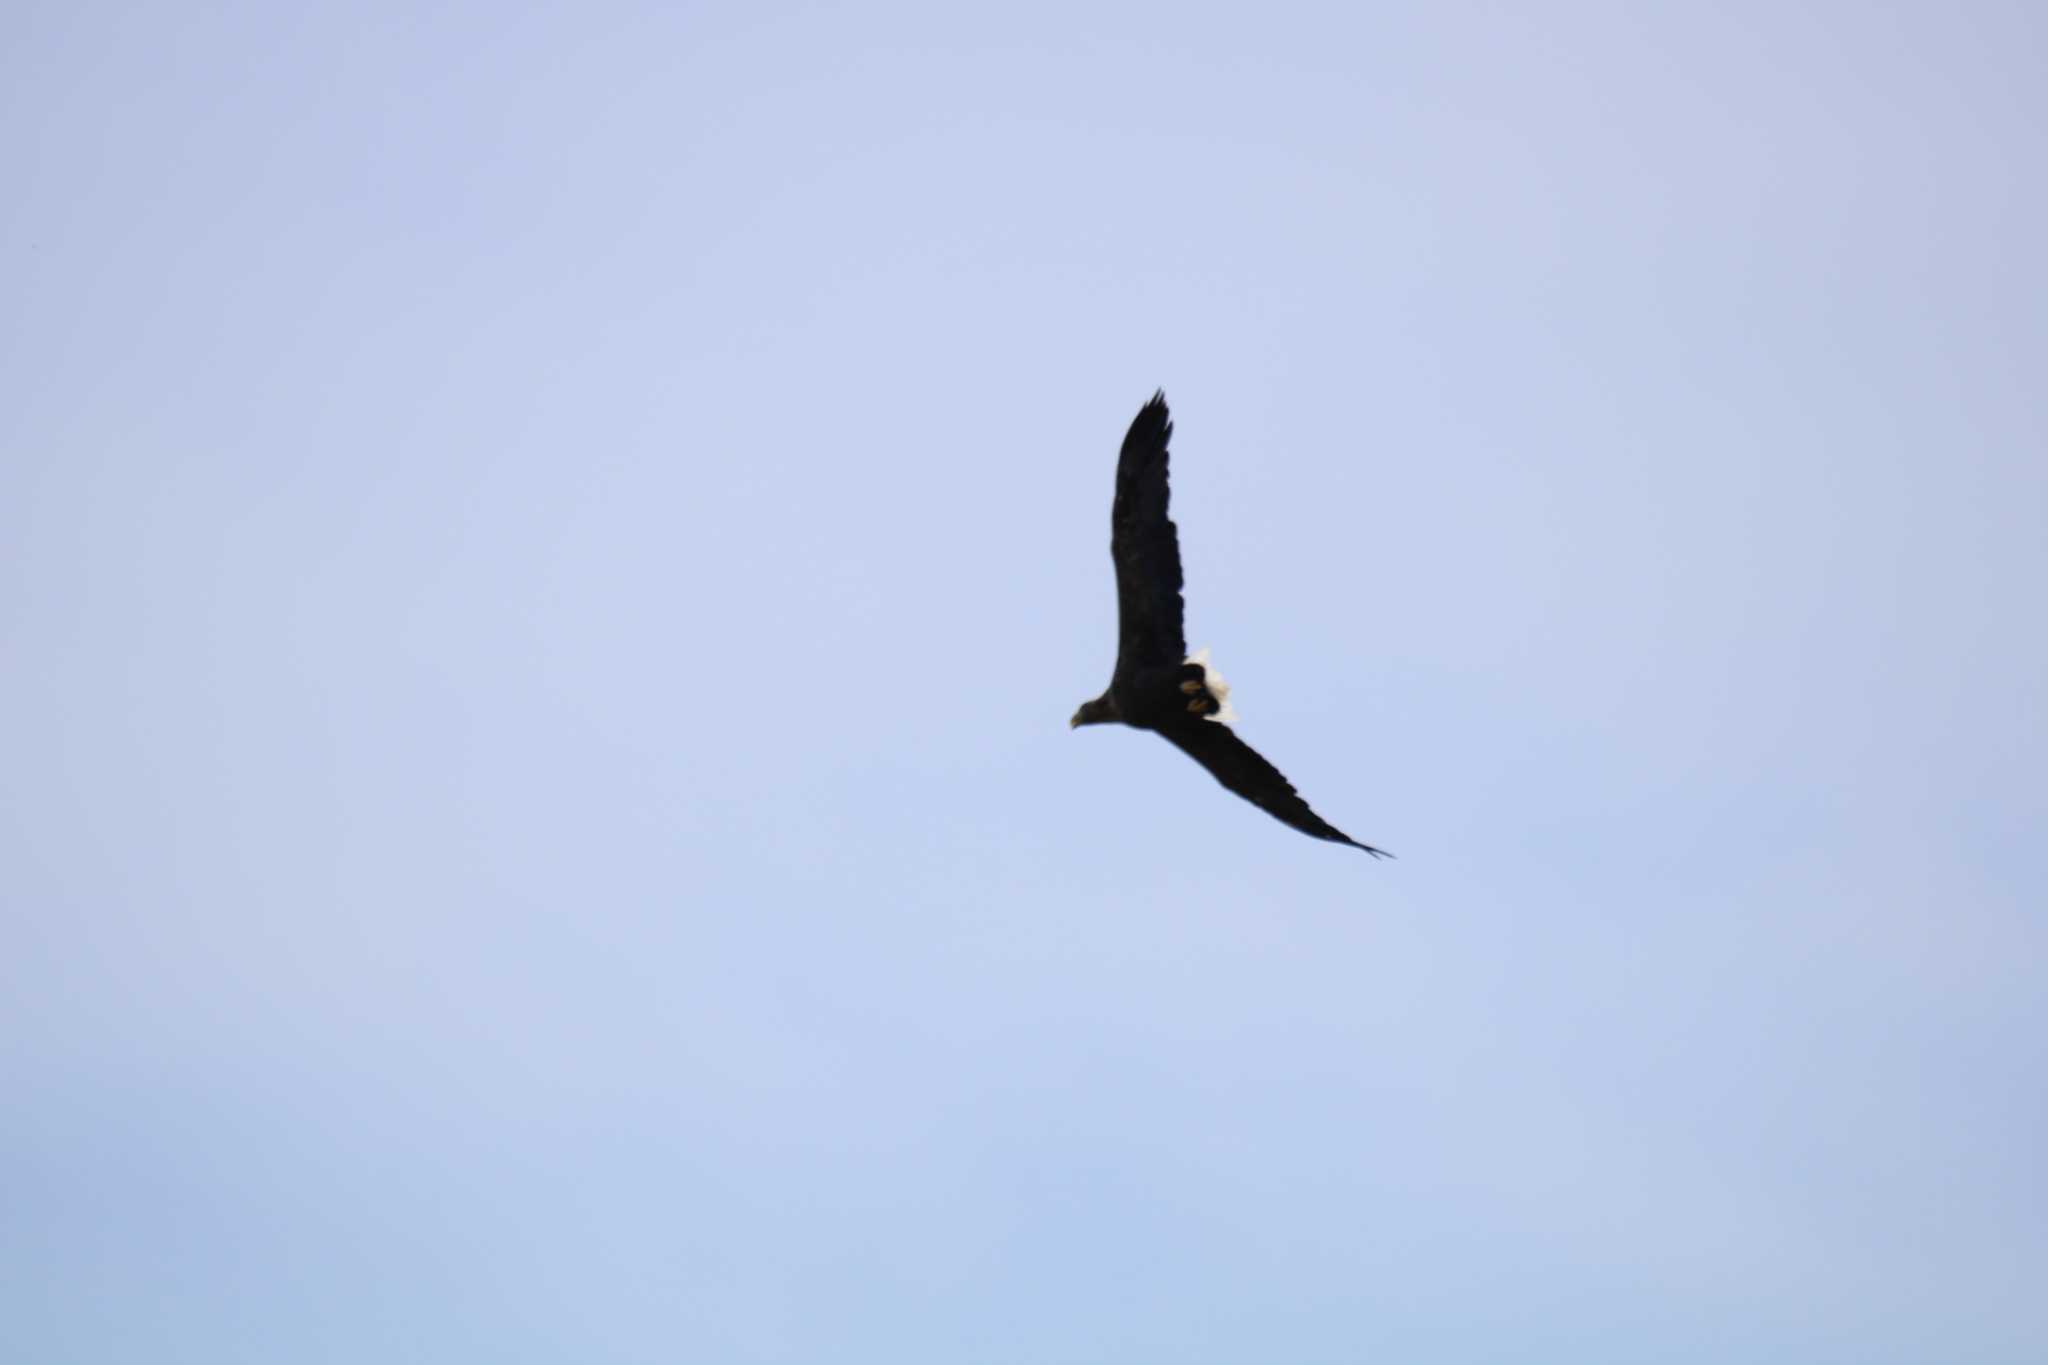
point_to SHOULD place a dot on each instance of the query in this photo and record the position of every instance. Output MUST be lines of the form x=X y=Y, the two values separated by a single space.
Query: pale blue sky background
x=548 y=552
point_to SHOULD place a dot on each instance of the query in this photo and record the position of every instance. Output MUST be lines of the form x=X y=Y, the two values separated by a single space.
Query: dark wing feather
x=1146 y=549
x=1238 y=766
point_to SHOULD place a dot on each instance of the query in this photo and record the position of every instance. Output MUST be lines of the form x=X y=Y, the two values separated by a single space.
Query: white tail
x=1225 y=713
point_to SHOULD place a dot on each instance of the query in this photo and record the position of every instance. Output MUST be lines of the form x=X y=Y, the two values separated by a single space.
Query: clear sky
x=546 y=554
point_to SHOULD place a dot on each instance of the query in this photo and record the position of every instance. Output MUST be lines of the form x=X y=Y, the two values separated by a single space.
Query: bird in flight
x=1157 y=684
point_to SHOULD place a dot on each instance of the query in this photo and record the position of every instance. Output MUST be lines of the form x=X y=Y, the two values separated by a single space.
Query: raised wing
x=1238 y=766
x=1146 y=548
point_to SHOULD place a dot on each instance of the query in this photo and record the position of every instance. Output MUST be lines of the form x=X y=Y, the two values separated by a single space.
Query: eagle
x=1157 y=684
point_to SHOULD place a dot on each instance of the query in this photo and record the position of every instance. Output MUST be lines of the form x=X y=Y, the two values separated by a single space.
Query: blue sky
x=546 y=553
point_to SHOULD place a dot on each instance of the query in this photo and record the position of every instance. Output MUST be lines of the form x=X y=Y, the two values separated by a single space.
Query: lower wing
x=1238 y=766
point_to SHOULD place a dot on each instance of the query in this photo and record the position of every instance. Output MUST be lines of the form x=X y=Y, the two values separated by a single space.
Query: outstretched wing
x=1238 y=766
x=1146 y=549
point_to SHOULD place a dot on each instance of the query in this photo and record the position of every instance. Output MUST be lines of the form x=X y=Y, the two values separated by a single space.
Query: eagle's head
x=1101 y=711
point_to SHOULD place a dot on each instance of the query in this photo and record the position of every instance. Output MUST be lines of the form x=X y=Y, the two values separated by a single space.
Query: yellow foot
x=1191 y=686
x=1199 y=705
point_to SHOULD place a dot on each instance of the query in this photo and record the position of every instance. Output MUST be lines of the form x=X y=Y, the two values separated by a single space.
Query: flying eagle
x=1158 y=685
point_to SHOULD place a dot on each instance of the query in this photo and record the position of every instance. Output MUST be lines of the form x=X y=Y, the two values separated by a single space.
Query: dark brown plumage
x=1156 y=686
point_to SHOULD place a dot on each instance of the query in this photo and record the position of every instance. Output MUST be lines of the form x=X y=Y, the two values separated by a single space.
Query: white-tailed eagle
x=1158 y=685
